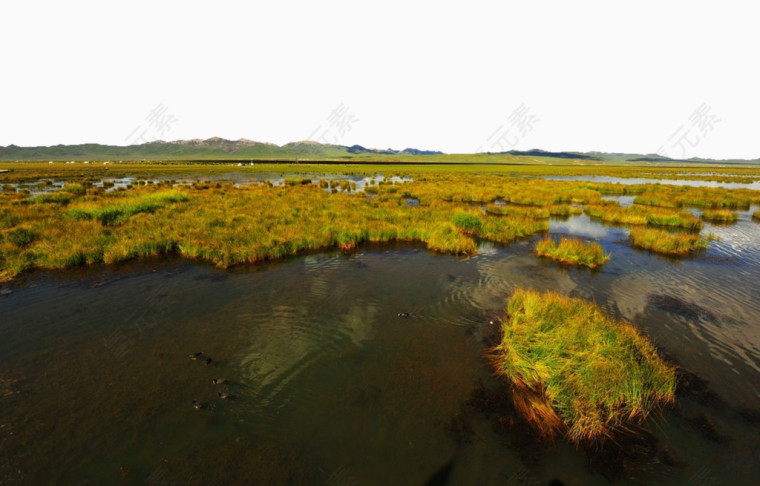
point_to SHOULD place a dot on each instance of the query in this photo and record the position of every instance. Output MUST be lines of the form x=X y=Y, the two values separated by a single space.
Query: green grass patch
x=21 y=237
x=576 y=371
x=573 y=252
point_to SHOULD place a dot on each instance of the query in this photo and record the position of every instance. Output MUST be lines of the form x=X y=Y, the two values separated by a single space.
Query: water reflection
x=330 y=382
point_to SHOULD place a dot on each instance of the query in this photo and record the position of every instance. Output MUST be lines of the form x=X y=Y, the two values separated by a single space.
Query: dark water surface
x=331 y=386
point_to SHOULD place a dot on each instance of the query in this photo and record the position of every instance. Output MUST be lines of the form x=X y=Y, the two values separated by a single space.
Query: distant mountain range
x=198 y=149
x=221 y=149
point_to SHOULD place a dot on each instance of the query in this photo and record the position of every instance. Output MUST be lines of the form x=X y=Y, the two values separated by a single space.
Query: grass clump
x=575 y=371
x=573 y=252
x=756 y=215
x=667 y=243
x=21 y=237
x=640 y=215
x=467 y=223
x=720 y=216
x=295 y=181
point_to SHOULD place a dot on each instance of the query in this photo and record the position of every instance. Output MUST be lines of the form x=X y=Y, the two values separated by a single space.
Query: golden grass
x=667 y=243
x=640 y=215
x=575 y=371
x=720 y=216
x=228 y=225
x=572 y=251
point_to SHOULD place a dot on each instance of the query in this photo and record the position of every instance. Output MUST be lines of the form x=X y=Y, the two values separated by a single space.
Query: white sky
x=596 y=75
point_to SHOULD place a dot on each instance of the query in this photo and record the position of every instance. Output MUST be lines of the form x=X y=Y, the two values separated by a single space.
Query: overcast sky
x=676 y=77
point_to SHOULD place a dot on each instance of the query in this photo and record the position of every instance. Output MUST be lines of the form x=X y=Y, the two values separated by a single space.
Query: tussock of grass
x=572 y=252
x=575 y=371
x=639 y=215
x=720 y=215
x=512 y=210
x=21 y=237
x=667 y=243
x=756 y=215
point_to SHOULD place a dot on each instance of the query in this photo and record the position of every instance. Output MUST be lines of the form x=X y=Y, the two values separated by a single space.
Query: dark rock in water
x=197 y=405
x=460 y=428
x=674 y=305
x=208 y=361
x=708 y=429
x=556 y=482
x=195 y=356
x=750 y=415
x=626 y=456
x=691 y=385
x=403 y=314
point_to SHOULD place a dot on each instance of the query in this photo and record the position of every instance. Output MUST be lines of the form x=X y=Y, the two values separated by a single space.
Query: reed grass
x=572 y=251
x=577 y=372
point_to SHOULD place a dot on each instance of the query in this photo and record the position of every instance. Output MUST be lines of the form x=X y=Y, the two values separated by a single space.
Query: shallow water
x=641 y=180
x=333 y=387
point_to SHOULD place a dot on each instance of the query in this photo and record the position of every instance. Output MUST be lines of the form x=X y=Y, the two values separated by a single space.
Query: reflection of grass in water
x=720 y=215
x=666 y=242
x=575 y=370
x=573 y=252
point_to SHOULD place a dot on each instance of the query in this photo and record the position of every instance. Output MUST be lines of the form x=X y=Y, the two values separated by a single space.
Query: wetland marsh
x=354 y=328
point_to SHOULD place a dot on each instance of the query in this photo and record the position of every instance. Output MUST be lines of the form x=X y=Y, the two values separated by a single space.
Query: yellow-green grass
x=720 y=216
x=756 y=215
x=577 y=372
x=639 y=215
x=573 y=252
x=230 y=225
x=118 y=213
x=667 y=243
x=699 y=197
x=539 y=212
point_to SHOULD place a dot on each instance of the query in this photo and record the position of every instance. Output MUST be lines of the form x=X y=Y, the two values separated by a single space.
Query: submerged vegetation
x=572 y=252
x=666 y=242
x=575 y=371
